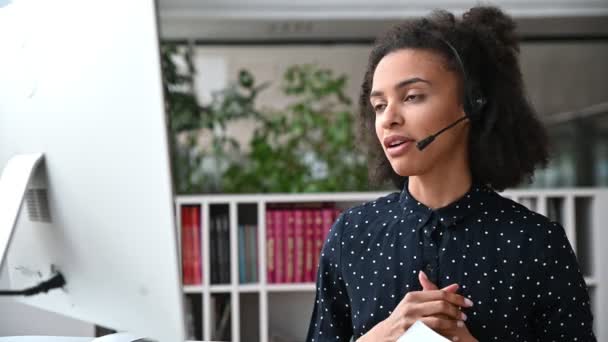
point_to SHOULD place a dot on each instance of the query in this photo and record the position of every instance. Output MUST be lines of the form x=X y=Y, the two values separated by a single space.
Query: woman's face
x=414 y=95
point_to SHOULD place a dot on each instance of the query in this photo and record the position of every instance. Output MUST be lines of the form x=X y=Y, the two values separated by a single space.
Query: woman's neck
x=440 y=187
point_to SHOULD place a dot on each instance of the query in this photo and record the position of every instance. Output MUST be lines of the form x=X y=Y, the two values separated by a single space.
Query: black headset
x=473 y=101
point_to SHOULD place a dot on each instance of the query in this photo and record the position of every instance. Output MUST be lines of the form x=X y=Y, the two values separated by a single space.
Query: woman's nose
x=392 y=116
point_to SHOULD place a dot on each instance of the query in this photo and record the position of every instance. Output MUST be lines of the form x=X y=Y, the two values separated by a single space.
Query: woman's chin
x=403 y=168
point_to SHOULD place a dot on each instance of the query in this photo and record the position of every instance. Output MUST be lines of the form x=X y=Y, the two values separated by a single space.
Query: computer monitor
x=80 y=84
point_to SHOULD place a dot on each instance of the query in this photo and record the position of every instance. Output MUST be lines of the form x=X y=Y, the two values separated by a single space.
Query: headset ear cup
x=475 y=102
x=480 y=102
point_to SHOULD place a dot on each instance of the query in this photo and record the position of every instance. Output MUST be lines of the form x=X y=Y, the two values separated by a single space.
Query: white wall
x=559 y=76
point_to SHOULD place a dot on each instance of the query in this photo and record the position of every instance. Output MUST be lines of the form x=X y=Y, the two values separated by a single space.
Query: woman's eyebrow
x=399 y=85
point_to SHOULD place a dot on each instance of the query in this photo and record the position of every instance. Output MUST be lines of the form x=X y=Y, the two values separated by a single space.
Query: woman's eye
x=379 y=107
x=413 y=98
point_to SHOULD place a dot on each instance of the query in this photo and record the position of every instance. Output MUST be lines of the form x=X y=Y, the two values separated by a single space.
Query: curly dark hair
x=507 y=142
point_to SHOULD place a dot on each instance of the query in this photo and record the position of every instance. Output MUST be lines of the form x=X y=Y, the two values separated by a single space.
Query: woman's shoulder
x=362 y=212
x=520 y=217
x=509 y=207
x=386 y=202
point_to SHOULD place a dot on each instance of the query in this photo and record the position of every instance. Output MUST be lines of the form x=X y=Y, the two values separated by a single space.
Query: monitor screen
x=81 y=85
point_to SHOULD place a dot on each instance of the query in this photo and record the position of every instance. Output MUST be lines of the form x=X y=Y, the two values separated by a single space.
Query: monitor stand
x=121 y=337
x=14 y=181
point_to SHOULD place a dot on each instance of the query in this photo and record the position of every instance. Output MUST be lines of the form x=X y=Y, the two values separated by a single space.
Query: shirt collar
x=472 y=201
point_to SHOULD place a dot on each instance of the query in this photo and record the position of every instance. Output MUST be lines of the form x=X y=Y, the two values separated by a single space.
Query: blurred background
x=261 y=98
x=306 y=62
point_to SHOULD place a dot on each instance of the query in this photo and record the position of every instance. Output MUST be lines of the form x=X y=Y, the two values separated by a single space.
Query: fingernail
x=468 y=302
x=423 y=274
x=463 y=316
x=455 y=338
x=460 y=324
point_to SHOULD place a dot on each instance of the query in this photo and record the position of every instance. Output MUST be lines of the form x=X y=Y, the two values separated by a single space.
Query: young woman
x=447 y=249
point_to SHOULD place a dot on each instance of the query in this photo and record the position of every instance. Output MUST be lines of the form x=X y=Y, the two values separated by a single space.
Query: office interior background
x=226 y=48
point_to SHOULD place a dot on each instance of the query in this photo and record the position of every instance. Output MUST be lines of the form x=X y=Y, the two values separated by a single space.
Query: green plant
x=309 y=146
x=196 y=168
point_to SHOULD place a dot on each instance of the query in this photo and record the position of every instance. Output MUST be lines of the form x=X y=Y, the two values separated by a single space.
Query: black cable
x=57 y=281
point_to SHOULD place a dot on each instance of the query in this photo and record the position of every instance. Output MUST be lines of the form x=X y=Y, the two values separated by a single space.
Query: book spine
x=318 y=226
x=289 y=245
x=220 y=251
x=309 y=244
x=185 y=229
x=219 y=248
x=226 y=250
x=279 y=241
x=270 y=246
x=242 y=255
x=215 y=258
x=197 y=269
x=191 y=245
x=251 y=253
x=254 y=254
x=298 y=249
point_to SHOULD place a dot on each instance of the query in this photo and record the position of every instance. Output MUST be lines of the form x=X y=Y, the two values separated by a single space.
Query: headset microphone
x=422 y=144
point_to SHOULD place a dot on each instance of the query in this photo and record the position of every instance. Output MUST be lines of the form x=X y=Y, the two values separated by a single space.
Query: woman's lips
x=397 y=145
x=395 y=151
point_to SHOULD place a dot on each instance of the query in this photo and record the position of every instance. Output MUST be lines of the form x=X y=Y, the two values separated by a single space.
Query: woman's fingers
x=440 y=308
x=442 y=324
x=429 y=296
x=427 y=284
x=451 y=288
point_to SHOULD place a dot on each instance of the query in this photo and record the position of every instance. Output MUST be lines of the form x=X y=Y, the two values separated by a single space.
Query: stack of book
x=295 y=237
x=248 y=253
x=294 y=234
x=219 y=249
x=192 y=271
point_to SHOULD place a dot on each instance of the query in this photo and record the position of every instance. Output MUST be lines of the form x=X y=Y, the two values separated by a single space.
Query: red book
x=309 y=245
x=186 y=249
x=318 y=245
x=289 y=245
x=270 y=246
x=298 y=249
x=197 y=271
x=279 y=242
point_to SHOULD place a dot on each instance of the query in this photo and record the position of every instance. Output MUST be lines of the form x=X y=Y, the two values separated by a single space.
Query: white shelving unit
x=286 y=308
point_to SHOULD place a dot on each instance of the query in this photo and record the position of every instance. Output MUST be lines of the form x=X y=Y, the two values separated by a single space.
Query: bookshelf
x=263 y=311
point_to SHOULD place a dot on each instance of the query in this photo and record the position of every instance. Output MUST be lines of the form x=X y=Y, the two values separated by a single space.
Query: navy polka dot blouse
x=515 y=265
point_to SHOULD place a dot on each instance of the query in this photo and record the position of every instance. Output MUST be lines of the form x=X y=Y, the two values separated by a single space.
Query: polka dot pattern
x=515 y=265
